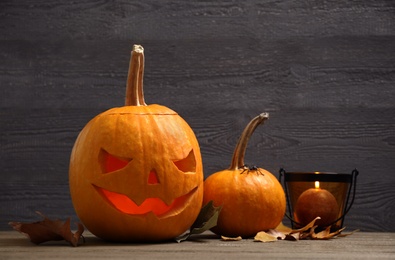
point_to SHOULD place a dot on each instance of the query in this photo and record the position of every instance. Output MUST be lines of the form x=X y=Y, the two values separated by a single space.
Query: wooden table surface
x=360 y=245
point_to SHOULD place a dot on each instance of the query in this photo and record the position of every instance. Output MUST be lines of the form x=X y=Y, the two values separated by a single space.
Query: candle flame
x=317 y=184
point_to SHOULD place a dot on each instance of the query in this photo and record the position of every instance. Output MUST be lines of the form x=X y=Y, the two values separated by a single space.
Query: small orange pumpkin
x=136 y=171
x=252 y=199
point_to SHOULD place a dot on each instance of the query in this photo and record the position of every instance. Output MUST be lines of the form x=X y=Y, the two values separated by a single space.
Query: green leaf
x=206 y=220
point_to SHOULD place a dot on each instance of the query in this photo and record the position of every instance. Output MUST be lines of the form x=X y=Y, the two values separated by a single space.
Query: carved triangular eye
x=111 y=163
x=188 y=164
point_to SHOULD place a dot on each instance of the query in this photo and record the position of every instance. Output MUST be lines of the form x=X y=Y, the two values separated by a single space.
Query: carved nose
x=153 y=178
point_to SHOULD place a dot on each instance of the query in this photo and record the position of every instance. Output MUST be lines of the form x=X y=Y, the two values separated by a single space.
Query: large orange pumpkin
x=252 y=199
x=136 y=171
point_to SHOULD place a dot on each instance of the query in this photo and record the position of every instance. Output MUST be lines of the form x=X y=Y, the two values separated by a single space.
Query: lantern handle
x=354 y=174
x=347 y=207
x=280 y=177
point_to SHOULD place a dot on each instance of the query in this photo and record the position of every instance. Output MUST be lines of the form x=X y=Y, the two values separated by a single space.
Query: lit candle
x=316 y=202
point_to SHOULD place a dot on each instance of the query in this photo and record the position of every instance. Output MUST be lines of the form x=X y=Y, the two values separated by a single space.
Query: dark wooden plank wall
x=325 y=70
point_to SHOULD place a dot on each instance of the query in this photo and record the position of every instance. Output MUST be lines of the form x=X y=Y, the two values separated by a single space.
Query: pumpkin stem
x=239 y=152
x=134 y=84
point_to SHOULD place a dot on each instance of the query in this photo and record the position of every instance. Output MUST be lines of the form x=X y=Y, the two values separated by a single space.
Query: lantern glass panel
x=338 y=184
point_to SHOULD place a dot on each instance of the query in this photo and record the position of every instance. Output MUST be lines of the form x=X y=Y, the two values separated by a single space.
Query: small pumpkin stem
x=134 y=84
x=239 y=152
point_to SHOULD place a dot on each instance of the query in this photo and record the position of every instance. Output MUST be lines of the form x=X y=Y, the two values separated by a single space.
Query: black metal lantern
x=340 y=185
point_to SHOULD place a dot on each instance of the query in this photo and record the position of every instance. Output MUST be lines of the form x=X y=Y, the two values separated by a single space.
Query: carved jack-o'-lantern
x=136 y=171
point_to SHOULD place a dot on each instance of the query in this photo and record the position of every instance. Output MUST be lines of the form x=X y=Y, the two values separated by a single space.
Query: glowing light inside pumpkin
x=188 y=164
x=111 y=163
x=317 y=184
x=154 y=205
x=153 y=178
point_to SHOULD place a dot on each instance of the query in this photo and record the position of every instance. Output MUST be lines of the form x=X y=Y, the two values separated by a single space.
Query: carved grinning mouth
x=155 y=205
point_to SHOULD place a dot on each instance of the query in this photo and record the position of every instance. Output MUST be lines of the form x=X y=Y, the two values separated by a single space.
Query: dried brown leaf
x=224 y=238
x=49 y=230
x=326 y=234
x=264 y=237
x=277 y=233
x=305 y=228
x=306 y=234
x=282 y=232
x=283 y=228
x=347 y=234
x=292 y=237
x=207 y=219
